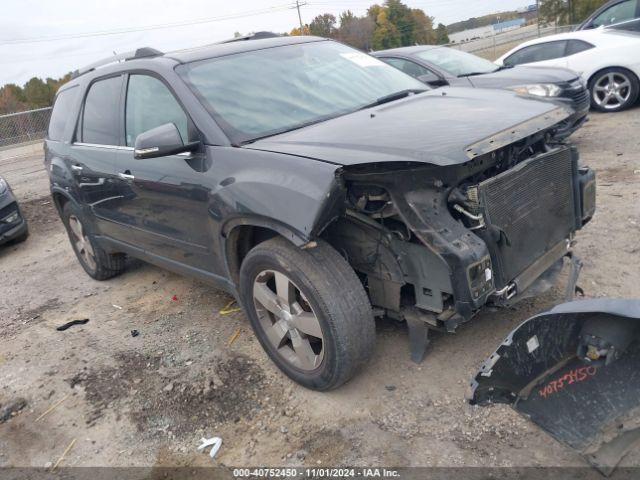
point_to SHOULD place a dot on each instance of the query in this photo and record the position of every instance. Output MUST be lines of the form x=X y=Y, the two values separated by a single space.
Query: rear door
x=166 y=210
x=92 y=153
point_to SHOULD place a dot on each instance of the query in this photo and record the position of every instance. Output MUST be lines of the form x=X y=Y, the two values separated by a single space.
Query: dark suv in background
x=318 y=185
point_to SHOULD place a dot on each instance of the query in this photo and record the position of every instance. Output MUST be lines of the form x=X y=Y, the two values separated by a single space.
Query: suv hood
x=448 y=126
x=523 y=75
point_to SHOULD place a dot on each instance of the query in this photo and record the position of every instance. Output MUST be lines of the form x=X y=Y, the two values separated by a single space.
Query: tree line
x=392 y=24
x=36 y=93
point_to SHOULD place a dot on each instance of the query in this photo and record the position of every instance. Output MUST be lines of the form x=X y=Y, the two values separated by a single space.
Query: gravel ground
x=146 y=400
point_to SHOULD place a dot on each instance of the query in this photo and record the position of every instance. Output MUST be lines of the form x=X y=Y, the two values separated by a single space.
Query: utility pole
x=538 y=16
x=298 y=5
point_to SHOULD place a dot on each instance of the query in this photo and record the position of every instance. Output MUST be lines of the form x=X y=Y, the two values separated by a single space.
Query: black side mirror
x=160 y=142
x=432 y=79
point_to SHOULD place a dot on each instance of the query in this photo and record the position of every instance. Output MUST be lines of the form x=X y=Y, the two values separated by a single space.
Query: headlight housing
x=539 y=90
x=3 y=185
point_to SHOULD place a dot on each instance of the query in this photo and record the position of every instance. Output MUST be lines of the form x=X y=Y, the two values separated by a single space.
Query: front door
x=166 y=211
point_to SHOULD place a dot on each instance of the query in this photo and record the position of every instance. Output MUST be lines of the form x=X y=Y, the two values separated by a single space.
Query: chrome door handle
x=76 y=168
x=125 y=176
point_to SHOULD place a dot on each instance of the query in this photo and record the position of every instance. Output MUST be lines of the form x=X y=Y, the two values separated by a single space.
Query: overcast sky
x=30 y=30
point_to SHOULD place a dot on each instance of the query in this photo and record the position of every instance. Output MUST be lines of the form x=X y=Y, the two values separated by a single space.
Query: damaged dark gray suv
x=319 y=186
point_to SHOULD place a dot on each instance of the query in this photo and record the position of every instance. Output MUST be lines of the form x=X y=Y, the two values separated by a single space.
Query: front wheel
x=309 y=311
x=613 y=89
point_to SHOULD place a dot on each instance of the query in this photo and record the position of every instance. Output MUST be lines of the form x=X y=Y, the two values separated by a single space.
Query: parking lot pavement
x=148 y=399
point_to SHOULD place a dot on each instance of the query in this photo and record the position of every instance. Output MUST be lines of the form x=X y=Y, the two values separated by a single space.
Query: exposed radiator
x=528 y=210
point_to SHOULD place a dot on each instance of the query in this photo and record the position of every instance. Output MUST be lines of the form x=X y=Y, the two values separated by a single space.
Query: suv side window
x=407 y=66
x=101 y=111
x=537 y=53
x=617 y=13
x=61 y=114
x=150 y=104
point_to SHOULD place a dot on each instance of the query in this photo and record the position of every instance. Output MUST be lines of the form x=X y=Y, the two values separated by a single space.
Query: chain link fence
x=23 y=127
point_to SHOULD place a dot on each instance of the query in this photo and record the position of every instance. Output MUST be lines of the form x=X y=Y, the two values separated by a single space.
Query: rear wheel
x=98 y=264
x=309 y=312
x=613 y=89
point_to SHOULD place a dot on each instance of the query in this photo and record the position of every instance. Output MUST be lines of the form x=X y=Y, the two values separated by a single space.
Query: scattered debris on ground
x=65 y=326
x=12 y=409
x=214 y=442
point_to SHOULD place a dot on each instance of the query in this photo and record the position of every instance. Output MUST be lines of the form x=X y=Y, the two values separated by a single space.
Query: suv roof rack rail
x=145 y=52
x=253 y=36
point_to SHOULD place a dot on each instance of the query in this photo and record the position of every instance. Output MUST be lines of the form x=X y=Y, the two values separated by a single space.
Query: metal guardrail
x=23 y=127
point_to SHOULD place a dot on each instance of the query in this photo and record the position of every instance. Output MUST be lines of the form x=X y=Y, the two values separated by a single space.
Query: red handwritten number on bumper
x=572 y=376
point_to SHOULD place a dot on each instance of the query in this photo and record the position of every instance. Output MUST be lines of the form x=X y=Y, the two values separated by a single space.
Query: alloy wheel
x=81 y=242
x=611 y=91
x=288 y=321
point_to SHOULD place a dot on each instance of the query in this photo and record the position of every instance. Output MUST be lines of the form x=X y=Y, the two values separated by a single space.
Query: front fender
x=297 y=197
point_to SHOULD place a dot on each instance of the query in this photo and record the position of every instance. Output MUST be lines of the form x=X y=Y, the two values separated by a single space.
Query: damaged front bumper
x=575 y=372
x=488 y=241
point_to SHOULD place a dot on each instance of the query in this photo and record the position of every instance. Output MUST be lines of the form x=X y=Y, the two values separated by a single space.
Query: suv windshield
x=264 y=92
x=456 y=62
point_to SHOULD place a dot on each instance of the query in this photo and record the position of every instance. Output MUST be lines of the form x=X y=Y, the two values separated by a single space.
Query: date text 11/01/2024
x=316 y=472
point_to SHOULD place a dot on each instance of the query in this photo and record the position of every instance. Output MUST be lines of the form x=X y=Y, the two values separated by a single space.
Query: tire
x=324 y=290
x=104 y=265
x=613 y=89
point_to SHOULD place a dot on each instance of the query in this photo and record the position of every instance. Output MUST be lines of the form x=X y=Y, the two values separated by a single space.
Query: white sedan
x=607 y=59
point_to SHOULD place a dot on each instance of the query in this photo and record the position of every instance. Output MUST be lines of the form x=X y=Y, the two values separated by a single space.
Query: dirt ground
x=146 y=400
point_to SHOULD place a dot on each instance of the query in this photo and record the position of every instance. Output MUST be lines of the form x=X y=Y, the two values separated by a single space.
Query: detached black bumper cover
x=575 y=372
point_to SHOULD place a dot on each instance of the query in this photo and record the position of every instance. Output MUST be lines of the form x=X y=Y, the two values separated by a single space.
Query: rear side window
x=101 y=111
x=537 y=53
x=407 y=66
x=61 y=115
x=149 y=105
x=577 y=46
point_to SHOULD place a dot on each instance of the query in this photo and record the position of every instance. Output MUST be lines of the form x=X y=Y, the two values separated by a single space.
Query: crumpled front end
x=575 y=372
x=438 y=243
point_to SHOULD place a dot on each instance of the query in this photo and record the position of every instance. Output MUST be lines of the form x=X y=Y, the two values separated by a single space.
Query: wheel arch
x=600 y=70
x=241 y=234
x=60 y=198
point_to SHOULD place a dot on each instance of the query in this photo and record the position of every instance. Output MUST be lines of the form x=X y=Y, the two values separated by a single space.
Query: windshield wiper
x=394 y=96
x=504 y=67
x=476 y=73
